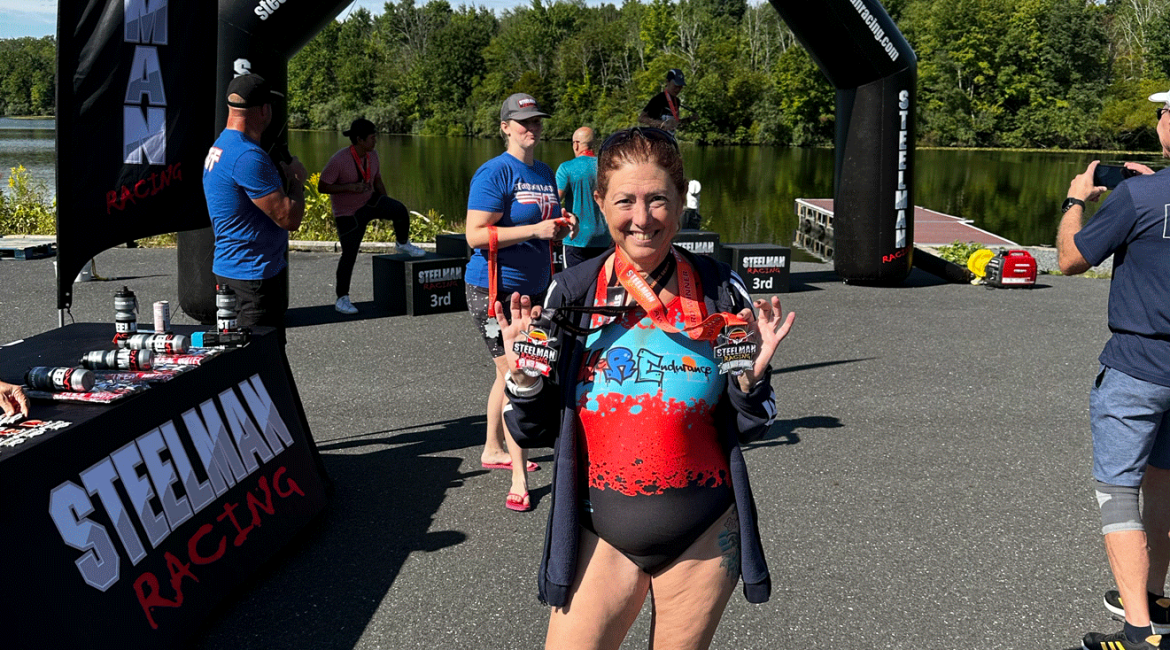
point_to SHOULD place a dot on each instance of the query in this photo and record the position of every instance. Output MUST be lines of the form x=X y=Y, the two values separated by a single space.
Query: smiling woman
x=645 y=415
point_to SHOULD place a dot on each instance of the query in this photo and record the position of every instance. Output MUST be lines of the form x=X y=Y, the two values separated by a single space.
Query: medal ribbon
x=692 y=306
x=671 y=105
x=493 y=253
x=363 y=164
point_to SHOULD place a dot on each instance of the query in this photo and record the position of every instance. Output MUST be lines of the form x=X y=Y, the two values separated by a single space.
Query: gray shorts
x=1131 y=427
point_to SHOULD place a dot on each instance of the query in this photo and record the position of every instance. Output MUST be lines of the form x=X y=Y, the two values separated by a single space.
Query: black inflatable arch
x=140 y=100
x=857 y=46
x=253 y=37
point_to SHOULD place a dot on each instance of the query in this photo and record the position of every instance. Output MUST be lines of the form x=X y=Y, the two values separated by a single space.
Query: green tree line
x=992 y=73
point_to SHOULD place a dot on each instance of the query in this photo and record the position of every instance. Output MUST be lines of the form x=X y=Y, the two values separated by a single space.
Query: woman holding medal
x=661 y=372
x=513 y=214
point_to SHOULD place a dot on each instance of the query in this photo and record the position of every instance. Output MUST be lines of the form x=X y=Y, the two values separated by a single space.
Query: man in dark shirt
x=1129 y=402
x=662 y=110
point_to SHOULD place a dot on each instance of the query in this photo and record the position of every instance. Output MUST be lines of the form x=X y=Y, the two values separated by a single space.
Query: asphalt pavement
x=926 y=483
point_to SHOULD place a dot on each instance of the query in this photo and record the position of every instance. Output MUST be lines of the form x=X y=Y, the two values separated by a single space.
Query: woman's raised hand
x=512 y=328
x=770 y=329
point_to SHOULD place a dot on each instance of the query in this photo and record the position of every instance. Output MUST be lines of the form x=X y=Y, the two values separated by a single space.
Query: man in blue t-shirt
x=576 y=181
x=1129 y=403
x=251 y=214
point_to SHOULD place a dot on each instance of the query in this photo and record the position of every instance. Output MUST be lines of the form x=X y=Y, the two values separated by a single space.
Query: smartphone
x=1110 y=176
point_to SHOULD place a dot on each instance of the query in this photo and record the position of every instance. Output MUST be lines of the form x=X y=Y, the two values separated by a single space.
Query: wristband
x=520 y=391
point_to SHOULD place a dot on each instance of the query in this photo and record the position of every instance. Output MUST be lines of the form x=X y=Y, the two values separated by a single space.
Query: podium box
x=452 y=246
x=699 y=242
x=418 y=286
x=763 y=267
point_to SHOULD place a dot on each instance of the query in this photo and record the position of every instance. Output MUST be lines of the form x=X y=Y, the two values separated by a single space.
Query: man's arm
x=287 y=210
x=1069 y=257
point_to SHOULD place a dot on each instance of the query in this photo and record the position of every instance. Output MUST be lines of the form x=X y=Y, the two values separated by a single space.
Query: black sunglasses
x=645 y=132
x=1161 y=112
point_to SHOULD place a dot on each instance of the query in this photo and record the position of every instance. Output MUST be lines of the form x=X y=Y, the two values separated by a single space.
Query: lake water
x=748 y=192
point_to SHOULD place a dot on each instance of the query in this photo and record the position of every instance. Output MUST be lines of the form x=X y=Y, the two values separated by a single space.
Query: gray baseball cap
x=520 y=107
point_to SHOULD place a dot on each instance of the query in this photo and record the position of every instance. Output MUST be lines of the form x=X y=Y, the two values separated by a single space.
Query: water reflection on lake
x=748 y=192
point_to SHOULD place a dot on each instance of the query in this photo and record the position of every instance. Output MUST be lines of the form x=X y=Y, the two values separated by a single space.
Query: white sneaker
x=344 y=306
x=410 y=249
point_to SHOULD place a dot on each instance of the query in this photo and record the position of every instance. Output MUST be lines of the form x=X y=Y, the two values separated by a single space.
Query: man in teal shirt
x=575 y=183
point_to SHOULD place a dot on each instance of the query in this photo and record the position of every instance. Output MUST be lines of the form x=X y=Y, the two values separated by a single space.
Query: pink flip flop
x=531 y=466
x=518 y=502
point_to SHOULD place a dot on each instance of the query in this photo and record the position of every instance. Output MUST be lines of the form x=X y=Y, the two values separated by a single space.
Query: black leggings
x=352 y=228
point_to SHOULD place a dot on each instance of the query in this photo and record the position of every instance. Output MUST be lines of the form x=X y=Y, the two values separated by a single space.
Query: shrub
x=958 y=252
x=26 y=208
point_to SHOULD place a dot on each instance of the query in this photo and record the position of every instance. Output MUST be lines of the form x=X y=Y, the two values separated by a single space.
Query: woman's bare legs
x=497 y=433
x=605 y=599
x=689 y=595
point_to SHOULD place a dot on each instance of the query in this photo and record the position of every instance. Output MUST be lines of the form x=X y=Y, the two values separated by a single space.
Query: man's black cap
x=252 y=90
x=676 y=75
x=360 y=128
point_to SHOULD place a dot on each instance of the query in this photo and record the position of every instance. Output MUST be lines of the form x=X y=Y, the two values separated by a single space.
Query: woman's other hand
x=512 y=328
x=770 y=328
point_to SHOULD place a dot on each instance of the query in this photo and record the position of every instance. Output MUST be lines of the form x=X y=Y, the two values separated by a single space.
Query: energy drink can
x=162 y=317
x=117 y=360
x=76 y=380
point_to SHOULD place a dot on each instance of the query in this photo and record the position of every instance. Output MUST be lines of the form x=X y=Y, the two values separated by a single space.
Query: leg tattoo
x=729 y=545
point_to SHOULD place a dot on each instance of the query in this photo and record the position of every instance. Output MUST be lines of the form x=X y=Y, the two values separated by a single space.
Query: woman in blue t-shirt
x=513 y=215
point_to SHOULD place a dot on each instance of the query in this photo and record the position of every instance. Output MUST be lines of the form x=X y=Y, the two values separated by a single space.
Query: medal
x=735 y=350
x=535 y=353
x=491 y=328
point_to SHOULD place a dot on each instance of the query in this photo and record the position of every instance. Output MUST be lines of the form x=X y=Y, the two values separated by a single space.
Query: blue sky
x=39 y=17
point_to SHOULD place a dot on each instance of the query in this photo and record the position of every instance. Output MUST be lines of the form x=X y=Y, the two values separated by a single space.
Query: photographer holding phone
x=1129 y=402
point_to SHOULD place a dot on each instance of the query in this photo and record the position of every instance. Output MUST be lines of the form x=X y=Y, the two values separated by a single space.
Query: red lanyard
x=670 y=105
x=363 y=164
x=493 y=262
x=692 y=305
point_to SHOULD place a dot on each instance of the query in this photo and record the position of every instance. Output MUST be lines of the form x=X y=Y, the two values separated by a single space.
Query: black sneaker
x=1117 y=641
x=1159 y=610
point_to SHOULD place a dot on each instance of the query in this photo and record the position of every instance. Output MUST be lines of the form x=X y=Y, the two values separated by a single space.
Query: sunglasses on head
x=645 y=132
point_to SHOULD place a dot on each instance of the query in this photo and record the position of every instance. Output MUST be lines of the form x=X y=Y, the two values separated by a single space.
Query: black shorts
x=260 y=302
x=477 y=305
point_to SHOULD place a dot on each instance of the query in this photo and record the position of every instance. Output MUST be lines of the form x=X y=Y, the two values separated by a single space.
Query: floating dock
x=26 y=248
x=814 y=231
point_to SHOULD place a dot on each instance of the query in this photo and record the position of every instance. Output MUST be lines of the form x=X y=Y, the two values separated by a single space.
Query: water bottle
x=125 y=306
x=77 y=380
x=225 y=309
x=117 y=360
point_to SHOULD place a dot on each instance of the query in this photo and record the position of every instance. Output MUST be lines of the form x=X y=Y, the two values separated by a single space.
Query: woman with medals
x=659 y=369
x=513 y=215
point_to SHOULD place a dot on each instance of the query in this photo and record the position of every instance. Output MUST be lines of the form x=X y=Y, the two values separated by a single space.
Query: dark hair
x=360 y=129
x=640 y=145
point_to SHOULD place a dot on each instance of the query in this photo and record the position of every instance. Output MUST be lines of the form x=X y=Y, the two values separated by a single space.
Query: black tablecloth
x=126 y=525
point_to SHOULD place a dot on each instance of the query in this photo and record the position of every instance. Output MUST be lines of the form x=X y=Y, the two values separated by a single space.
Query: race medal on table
x=535 y=353
x=735 y=350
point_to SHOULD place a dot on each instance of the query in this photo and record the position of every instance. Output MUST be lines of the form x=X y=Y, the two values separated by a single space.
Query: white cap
x=1161 y=97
